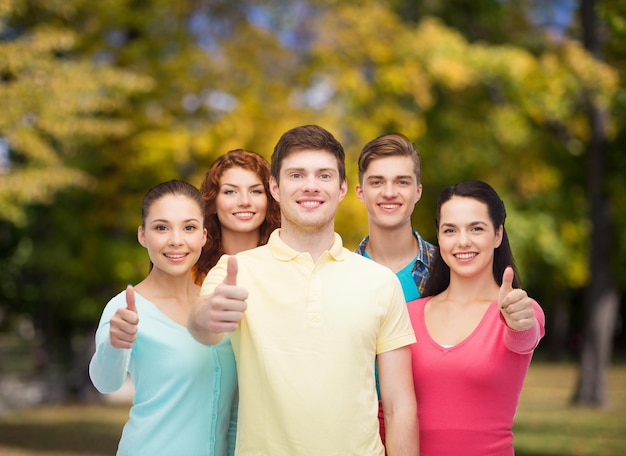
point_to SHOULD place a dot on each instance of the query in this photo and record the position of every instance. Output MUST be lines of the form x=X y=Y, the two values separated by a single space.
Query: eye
x=325 y=176
x=160 y=227
x=404 y=183
x=258 y=192
x=375 y=183
x=229 y=192
x=295 y=175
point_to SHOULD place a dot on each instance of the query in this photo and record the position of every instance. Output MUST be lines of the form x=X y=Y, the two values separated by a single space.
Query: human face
x=241 y=203
x=390 y=191
x=467 y=237
x=310 y=190
x=173 y=234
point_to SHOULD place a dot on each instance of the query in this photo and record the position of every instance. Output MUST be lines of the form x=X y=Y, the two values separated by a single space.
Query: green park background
x=101 y=100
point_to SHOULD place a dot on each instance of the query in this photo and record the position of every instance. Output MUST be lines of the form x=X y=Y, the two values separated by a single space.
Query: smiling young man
x=307 y=318
x=390 y=186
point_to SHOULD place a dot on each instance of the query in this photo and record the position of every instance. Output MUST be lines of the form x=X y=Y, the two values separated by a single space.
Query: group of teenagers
x=257 y=333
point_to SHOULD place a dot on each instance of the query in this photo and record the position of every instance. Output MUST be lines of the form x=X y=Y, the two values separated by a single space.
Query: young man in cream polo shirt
x=307 y=318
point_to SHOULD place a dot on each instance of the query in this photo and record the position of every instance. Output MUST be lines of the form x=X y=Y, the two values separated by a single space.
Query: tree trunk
x=602 y=298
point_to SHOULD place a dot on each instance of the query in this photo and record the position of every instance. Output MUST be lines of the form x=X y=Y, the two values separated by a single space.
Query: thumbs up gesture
x=123 y=325
x=221 y=311
x=515 y=305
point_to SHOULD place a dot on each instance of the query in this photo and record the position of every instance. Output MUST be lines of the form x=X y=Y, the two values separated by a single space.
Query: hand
x=123 y=325
x=223 y=310
x=515 y=305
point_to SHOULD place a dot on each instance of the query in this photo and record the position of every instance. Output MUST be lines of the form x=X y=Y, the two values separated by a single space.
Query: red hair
x=213 y=249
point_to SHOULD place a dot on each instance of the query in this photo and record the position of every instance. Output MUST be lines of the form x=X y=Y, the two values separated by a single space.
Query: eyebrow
x=260 y=184
x=380 y=176
x=319 y=170
x=478 y=222
x=168 y=221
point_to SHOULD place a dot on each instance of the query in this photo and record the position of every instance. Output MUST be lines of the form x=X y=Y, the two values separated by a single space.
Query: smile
x=175 y=256
x=310 y=203
x=465 y=256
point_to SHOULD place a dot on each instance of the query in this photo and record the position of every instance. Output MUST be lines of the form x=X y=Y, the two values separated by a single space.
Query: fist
x=221 y=311
x=123 y=325
x=515 y=305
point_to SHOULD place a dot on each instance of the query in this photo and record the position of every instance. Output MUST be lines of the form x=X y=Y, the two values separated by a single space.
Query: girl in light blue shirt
x=185 y=400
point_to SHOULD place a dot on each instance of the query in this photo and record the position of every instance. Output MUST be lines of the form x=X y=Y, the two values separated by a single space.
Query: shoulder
x=418 y=303
x=356 y=260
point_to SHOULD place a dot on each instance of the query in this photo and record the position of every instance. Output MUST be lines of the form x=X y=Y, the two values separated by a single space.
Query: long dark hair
x=213 y=249
x=439 y=277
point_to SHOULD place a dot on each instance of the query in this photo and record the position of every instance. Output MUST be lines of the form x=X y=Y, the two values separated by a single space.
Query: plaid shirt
x=423 y=261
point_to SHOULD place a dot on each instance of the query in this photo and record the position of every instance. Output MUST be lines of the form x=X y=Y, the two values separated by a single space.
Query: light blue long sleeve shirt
x=185 y=401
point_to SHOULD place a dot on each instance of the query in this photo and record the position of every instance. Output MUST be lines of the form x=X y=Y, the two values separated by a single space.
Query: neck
x=314 y=242
x=158 y=285
x=394 y=247
x=235 y=242
x=472 y=289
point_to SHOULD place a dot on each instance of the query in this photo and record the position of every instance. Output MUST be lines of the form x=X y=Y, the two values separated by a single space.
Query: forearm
x=401 y=431
x=108 y=368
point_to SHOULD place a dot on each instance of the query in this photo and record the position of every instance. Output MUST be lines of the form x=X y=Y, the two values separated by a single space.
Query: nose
x=464 y=238
x=389 y=190
x=244 y=199
x=310 y=184
x=175 y=238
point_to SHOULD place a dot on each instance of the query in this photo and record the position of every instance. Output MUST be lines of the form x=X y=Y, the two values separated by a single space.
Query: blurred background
x=101 y=100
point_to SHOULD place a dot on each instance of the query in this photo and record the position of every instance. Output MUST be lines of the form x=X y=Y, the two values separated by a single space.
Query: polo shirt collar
x=283 y=252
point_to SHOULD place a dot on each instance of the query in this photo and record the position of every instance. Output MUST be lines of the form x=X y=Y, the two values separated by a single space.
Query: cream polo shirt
x=306 y=347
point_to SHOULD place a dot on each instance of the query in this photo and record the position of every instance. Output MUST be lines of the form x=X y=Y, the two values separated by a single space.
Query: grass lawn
x=545 y=425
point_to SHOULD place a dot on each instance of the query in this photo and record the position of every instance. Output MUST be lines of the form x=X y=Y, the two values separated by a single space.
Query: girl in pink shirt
x=476 y=330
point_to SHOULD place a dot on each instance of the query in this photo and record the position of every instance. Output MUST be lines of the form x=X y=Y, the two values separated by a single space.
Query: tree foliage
x=103 y=100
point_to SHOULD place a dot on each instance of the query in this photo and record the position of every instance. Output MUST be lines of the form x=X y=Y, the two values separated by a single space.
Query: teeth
x=389 y=206
x=175 y=256
x=465 y=256
x=244 y=214
x=310 y=203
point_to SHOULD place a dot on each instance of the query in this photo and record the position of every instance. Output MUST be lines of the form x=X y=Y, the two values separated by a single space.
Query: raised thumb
x=130 y=298
x=231 y=271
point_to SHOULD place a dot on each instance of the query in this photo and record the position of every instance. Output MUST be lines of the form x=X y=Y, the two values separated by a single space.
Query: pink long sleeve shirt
x=467 y=395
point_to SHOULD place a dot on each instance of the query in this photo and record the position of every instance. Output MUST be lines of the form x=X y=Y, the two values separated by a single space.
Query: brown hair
x=305 y=137
x=389 y=145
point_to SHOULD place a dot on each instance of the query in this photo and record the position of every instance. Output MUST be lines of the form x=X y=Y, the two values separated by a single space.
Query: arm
x=109 y=366
x=115 y=336
x=398 y=398
x=525 y=341
x=524 y=318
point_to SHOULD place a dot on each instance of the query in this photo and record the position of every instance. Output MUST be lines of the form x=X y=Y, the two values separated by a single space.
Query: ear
x=418 y=194
x=359 y=192
x=274 y=189
x=343 y=188
x=141 y=236
x=204 y=235
x=499 y=235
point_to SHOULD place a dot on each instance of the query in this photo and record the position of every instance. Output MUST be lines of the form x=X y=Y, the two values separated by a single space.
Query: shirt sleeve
x=525 y=342
x=396 y=329
x=108 y=367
